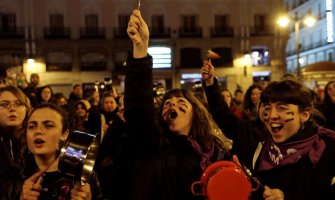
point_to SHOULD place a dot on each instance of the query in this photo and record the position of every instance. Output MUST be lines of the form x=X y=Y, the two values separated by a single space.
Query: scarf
x=287 y=153
x=205 y=156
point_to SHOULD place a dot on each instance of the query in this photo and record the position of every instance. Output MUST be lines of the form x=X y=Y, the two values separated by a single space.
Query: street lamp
x=308 y=20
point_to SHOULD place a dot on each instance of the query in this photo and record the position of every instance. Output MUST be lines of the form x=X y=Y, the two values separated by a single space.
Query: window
x=10 y=59
x=260 y=56
x=123 y=21
x=93 y=61
x=157 y=22
x=7 y=22
x=189 y=23
x=58 y=61
x=221 y=21
x=330 y=56
x=56 y=21
x=161 y=56
x=190 y=58
x=260 y=22
x=226 y=59
x=91 y=21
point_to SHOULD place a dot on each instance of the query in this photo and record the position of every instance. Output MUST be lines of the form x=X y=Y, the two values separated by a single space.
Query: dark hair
x=40 y=90
x=66 y=122
x=238 y=91
x=289 y=92
x=231 y=96
x=247 y=103
x=201 y=120
x=326 y=98
x=76 y=85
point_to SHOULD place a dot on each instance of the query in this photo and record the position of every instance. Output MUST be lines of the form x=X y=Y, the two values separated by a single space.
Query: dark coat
x=10 y=174
x=55 y=185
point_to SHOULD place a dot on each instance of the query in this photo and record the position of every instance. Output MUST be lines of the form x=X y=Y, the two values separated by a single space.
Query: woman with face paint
x=172 y=153
x=48 y=125
x=296 y=158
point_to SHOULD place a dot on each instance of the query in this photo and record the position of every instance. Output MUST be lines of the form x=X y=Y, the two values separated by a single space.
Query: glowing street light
x=308 y=20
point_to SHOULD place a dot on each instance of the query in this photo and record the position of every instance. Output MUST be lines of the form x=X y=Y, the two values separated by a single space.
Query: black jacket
x=10 y=174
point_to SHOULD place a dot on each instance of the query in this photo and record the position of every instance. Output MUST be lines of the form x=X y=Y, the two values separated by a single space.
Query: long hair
x=23 y=99
x=203 y=128
x=326 y=98
x=247 y=103
x=20 y=133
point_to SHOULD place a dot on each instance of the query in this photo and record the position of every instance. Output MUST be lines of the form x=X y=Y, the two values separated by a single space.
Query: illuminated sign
x=161 y=56
x=329 y=18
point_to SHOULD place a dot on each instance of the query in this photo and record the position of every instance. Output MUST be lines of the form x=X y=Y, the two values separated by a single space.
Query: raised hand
x=272 y=194
x=207 y=72
x=81 y=192
x=138 y=32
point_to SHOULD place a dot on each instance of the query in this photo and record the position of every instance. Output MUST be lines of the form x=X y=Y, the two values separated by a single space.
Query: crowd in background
x=102 y=114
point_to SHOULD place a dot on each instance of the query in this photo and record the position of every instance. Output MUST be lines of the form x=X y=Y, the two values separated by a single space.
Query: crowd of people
x=155 y=146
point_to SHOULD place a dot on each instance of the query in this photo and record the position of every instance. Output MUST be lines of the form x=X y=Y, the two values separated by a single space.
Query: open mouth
x=275 y=127
x=12 y=117
x=173 y=115
x=39 y=141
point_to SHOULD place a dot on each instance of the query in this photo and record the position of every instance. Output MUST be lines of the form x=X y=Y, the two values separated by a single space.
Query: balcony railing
x=261 y=30
x=227 y=31
x=92 y=33
x=160 y=32
x=120 y=32
x=58 y=66
x=192 y=32
x=93 y=66
x=11 y=32
x=57 y=33
x=304 y=48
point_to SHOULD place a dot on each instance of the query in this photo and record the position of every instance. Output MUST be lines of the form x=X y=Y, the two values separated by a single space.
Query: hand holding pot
x=82 y=192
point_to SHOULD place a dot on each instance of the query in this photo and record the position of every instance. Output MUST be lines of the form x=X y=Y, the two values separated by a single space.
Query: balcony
x=261 y=30
x=57 y=67
x=227 y=31
x=11 y=32
x=93 y=66
x=160 y=32
x=57 y=33
x=120 y=33
x=190 y=32
x=92 y=33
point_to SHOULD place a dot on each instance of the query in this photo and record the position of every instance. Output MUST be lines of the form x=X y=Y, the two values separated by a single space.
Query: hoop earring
x=302 y=125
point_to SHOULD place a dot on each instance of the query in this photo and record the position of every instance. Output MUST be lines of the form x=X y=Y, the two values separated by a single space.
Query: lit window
x=260 y=56
x=161 y=56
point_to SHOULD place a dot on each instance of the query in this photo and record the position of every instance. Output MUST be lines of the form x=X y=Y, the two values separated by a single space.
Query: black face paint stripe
x=182 y=110
x=288 y=120
x=289 y=113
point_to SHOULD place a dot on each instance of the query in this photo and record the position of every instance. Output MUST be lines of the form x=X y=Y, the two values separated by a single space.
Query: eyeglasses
x=8 y=105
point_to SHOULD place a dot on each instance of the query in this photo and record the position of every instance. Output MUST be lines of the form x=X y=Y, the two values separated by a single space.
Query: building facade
x=316 y=42
x=85 y=41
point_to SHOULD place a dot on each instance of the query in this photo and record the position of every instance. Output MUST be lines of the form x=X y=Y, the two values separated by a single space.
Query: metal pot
x=223 y=180
x=77 y=156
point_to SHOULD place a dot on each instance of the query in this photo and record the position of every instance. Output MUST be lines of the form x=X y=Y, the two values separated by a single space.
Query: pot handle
x=196 y=185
